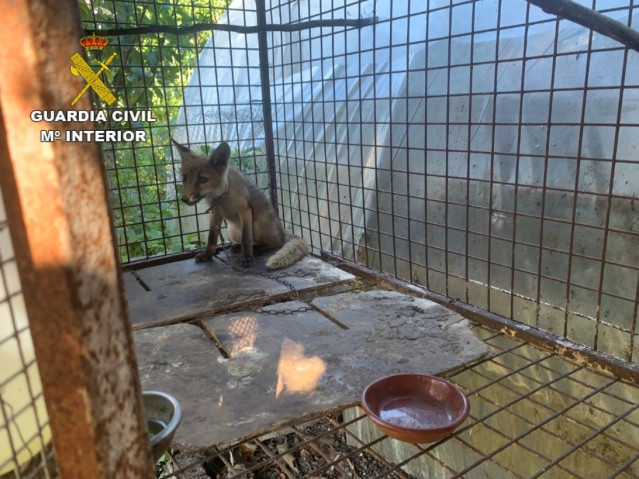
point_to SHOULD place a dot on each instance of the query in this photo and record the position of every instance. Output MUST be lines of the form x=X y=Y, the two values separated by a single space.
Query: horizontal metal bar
x=624 y=466
x=590 y=19
x=220 y=27
x=159 y=260
x=534 y=428
x=370 y=450
x=584 y=441
x=565 y=347
x=545 y=406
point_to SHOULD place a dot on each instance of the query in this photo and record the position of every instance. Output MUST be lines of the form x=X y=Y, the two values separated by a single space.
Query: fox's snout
x=191 y=200
x=191 y=193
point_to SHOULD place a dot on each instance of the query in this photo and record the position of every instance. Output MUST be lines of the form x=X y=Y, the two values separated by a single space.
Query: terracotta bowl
x=415 y=408
x=163 y=413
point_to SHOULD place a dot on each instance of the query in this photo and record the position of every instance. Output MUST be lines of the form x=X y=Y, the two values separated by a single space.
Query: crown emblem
x=93 y=42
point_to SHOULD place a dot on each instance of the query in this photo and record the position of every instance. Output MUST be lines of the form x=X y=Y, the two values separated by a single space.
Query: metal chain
x=280 y=312
x=282 y=281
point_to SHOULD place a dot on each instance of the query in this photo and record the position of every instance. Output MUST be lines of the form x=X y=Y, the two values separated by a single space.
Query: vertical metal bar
x=609 y=202
x=493 y=145
x=57 y=206
x=269 y=145
x=635 y=314
x=376 y=154
x=295 y=211
x=575 y=187
x=446 y=196
x=583 y=442
x=391 y=187
x=544 y=182
x=469 y=155
x=516 y=186
x=144 y=241
x=427 y=264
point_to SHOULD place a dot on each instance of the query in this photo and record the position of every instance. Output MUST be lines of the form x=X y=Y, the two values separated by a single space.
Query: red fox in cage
x=249 y=214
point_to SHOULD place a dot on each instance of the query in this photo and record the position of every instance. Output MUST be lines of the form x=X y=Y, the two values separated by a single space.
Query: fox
x=249 y=214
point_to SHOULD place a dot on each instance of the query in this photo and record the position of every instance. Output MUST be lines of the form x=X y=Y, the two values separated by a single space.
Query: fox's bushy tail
x=290 y=253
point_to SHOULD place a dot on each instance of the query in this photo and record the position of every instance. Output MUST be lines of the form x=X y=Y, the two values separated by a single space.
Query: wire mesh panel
x=152 y=76
x=24 y=427
x=223 y=101
x=484 y=149
x=321 y=78
x=481 y=148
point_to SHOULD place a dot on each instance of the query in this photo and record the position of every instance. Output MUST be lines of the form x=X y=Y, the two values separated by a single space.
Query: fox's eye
x=202 y=179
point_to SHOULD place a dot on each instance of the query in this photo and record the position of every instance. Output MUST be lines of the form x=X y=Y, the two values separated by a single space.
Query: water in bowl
x=415 y=414
x=155 y=426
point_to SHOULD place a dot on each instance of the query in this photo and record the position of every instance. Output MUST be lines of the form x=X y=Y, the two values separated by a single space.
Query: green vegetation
x=148 y=73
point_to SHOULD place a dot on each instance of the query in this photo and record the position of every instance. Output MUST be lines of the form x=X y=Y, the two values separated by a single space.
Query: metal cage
x=481 y=152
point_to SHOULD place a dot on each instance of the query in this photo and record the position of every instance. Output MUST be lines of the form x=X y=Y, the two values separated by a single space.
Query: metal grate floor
x=533 y=414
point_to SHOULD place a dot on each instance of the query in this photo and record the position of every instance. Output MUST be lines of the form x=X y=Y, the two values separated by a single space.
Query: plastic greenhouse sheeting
x=400 y=100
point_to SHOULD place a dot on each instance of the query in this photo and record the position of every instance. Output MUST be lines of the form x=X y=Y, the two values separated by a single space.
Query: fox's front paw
x=203 y=256
x=247 y=261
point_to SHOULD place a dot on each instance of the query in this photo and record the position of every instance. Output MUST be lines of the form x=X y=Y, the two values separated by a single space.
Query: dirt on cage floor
x=314 y=450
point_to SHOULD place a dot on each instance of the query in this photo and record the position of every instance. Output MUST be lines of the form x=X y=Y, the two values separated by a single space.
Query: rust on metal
x=60 y=223
x=544 y=339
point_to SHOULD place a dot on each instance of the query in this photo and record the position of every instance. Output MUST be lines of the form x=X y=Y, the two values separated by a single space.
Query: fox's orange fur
x=249 y=214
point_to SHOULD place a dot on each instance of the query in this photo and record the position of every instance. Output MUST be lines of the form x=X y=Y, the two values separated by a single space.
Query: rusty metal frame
x=626 y=370
x=60 y=223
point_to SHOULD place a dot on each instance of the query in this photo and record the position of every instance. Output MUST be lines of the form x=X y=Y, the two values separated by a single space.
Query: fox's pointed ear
x=183 y=150
x=219 y=159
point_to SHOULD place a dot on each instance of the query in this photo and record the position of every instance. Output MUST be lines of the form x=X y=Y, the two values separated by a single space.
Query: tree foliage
x=149 y=73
